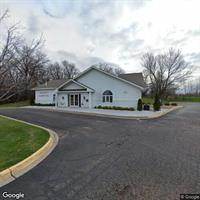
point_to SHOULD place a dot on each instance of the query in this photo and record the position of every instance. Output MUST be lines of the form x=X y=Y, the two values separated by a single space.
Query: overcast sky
x=120 y=31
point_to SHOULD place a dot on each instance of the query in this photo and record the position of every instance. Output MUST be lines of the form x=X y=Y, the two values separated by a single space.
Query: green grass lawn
x=149 y=100
x=18 y=141
x=185 y=99
x=16 y=104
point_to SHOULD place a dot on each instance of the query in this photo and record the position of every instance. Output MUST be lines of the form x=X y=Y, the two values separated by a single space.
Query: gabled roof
x=51 y=84
x=76 y=82
x=119 y=78
x=136 y=78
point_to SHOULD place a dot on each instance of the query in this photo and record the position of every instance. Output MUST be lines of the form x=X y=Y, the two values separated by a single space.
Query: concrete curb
x=156 y=115
x=15 y=171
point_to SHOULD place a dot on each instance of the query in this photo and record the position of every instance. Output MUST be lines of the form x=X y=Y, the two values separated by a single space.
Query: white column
x=90 y=100
x=56 y=100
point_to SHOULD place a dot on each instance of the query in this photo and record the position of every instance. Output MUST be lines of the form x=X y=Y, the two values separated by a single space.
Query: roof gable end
x=80 y=85
x=111 y=75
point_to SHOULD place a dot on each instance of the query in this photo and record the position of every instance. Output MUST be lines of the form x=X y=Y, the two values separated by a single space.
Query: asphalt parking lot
x=103 y=158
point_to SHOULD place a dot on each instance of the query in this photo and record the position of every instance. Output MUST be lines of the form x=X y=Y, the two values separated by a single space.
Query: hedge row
x=39 y=104
x=115 y=108
x=171 y=104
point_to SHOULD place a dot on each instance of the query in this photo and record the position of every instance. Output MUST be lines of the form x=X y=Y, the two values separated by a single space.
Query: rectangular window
x=72 y=100
x=111 y=99
x=76 y=100
x=108 y=98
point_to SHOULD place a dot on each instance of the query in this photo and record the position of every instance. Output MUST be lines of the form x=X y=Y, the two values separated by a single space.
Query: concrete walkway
x=112 y=113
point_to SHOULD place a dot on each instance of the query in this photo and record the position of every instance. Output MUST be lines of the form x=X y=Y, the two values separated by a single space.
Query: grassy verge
x=149 y=100
x=16 y=104
x=18 y=141
x=185 y=99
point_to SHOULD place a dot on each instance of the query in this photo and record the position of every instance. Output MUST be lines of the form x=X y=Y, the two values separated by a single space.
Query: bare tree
x=70 y=70
x=118 y=71
x=22 y=65
x=105 y=67
x=4 y=15
x=110 y=68
x=7 y=57
x=55 y=71
x=192 y=87
x=30 y=62
x=165 y=71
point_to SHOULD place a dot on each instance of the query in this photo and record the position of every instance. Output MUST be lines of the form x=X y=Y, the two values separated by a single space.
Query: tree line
x=24 y=65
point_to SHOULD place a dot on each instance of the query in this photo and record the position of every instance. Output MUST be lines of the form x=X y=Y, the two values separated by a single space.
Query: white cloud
x=115 y=31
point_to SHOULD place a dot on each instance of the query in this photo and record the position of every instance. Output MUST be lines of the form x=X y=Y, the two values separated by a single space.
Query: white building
x=91 y=88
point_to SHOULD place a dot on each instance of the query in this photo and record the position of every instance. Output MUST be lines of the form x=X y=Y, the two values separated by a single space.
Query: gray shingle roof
x=136 y=78
x=52 y=84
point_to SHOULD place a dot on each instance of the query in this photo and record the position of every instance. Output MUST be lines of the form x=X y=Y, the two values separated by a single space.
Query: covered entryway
x=74 y=94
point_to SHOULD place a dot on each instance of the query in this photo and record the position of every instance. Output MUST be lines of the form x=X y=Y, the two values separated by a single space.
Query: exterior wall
x=84 y=100
x=44 y=96
x=124 y=94
x=62 y=99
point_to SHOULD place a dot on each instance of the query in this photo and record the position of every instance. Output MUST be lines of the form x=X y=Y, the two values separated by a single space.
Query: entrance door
x=74 y=100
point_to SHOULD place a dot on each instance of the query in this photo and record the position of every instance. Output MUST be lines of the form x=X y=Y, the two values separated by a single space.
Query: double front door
x=74 y=100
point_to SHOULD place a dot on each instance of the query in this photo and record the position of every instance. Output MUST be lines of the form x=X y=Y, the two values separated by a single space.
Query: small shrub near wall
x=115 y=108
x=139 y=105
x=32 y=101
x=39 y=104
x=156 y=104
x=174 y=104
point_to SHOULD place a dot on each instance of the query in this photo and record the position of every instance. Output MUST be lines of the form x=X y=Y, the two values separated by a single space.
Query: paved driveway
x=103 y=158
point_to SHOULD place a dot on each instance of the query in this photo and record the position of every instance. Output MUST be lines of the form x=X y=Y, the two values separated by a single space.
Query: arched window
x=107 y=96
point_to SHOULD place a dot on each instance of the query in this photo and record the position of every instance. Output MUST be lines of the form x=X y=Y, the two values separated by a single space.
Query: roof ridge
x=133 y=73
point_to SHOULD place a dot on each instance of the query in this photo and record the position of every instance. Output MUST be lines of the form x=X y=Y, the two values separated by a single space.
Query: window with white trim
x=107 y=96
x=54 y=98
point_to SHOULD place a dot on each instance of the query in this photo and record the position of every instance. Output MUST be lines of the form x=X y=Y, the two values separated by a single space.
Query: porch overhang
x=74 y=86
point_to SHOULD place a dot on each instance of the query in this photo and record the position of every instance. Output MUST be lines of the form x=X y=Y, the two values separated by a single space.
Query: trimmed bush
x=156 y=104
x=39 y=104
x=139 y=105
x=32 y=101
x=167 y=104
x=174 y=104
